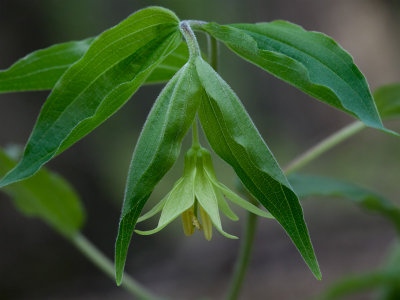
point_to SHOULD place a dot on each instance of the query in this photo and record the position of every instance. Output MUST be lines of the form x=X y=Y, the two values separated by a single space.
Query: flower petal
x=180 y=199
x=243 y=203
x=209 y=170
x=156 y=209
x=207 y=198
x=224 y=206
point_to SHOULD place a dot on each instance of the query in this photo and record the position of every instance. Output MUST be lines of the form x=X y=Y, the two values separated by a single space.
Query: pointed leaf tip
x=310 y=61
x=157 y=149
x=244 y=149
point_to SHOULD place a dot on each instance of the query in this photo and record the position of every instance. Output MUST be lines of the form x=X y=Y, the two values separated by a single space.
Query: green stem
x=243 y=258
x=213 y=52
x=242 y=262
x=324 y=146
x=104 y=264
x=187 y=32
x=195 y=135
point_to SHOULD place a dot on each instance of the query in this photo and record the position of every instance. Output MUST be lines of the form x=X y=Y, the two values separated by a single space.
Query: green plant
x=92 y=79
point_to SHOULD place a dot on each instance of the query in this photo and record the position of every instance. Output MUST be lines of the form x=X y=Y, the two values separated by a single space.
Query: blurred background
x=36 y=263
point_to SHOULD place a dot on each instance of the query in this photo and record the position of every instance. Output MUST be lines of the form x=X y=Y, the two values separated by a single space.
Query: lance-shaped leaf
x=156 y=151
x=310 y=61
x=309 y=185
x=41 y=69
x=233 y=136
x=46 y=196
x=95 y=87
x=387 y=99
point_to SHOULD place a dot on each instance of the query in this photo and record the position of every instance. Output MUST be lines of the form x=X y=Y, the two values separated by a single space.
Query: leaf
x=308 y=185
x=233 y=136
x=41 y=69
x=156 y=151
x=387 y=99
x=46 y=196
x=310 y=61
x=170 y=65
x=96 y=86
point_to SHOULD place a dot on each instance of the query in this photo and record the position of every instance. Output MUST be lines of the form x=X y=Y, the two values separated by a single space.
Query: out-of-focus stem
x=324 y=146
x=106 y=265
x=244 y=255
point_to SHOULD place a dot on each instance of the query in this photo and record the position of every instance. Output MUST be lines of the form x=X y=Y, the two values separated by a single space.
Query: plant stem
x=213 y=52
x=324 y=146
x=104 y=264
x=244 y=255
x=243 y=258
x=193 y=45
x=195 y=135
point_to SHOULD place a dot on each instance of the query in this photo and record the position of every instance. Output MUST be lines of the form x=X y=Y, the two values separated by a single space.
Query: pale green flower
x=198 y=193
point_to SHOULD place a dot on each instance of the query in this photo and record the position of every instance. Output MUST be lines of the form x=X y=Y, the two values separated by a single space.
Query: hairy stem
x=246 y=246
x=104 y=264
x=188 y=34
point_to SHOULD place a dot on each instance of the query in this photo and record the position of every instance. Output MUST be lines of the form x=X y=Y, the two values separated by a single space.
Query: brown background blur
x=36 y=263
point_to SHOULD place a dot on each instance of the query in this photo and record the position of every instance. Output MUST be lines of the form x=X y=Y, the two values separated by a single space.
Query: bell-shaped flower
x=198 y=196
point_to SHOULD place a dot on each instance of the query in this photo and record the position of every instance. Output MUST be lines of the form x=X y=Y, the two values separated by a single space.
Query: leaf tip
x=118 y=277
x=119 y=271
x=316 y=271
x=318 y=275
x=5 y=181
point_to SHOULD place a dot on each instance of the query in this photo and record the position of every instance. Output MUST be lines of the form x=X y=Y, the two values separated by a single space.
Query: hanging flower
x=197 y=196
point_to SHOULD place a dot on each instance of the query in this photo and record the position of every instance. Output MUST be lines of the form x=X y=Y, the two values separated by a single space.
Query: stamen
x=207 y=224
x=187 y=221
x=196 y=223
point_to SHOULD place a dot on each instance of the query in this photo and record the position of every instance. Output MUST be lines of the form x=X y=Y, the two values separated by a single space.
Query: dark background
x=36 y=263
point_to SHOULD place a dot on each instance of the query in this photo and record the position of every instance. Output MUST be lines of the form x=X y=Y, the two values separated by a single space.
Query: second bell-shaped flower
x=197 y=197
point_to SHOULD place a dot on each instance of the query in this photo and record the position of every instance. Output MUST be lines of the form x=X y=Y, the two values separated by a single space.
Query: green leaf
x=310 y=61
x=233 y=136
x=41 y=69
x=307 y=185
x=156 y=151
x=95 y=87
x=387 y=99
x=46 y=196
x=170 y=65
